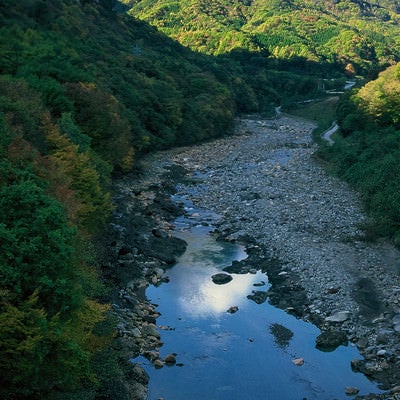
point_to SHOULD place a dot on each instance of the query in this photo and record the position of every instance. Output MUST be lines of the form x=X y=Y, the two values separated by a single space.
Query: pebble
x=158 y=363
x=298 y=361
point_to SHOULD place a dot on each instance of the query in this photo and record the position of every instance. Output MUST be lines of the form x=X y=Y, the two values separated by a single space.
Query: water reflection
x=239 y=356
x=281 y=334
x=196 y=294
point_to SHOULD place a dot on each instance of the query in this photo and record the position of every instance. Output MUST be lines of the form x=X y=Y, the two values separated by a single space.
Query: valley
x=274 y=198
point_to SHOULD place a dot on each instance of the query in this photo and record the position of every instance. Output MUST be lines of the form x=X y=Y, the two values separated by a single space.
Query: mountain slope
x=362 y=34
x=82 y=92
x=367 y=154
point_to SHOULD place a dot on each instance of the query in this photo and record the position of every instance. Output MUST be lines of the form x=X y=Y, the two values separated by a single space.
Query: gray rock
x=136 y=332
x=395 y=389
x=330 y=340
x=170 y=359
x=383 y=337
x=258 y=296
x=150 y=330
x=166 y=249
x=396 y=319
x=221 y=278
x=339 y=316
x=158 y=363
x=351 y=391
x=362 y=343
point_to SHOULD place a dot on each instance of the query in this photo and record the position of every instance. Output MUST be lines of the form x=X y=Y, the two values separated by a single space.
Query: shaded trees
x=40 y=294
x=368 y=156
x=47 y=316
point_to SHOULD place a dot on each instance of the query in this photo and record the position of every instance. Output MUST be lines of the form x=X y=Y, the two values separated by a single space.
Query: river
x=248 y=354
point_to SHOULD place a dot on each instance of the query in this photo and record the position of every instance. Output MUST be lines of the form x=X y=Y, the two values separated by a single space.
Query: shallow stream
x=245 y=355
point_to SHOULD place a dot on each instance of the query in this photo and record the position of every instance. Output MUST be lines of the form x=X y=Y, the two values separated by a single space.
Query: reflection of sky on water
x=196 y=293
x=240 y=356
x=201 y=297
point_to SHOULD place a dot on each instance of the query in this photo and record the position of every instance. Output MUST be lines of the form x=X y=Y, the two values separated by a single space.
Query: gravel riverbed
x=271 y=191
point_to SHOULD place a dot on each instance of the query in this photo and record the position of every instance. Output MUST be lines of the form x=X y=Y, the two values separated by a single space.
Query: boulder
x=330 y=340
x=237 y=267
x=258 y=296
x=170 y=359
x=339 y=316
x=221 y=278
x=166 y=249
x=351 y=391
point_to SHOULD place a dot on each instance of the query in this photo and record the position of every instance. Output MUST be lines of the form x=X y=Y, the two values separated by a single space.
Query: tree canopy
x=365 y=34
x=368 y=153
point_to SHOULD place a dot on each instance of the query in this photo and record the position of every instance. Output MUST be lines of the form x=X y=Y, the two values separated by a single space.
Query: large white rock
x=339 y=316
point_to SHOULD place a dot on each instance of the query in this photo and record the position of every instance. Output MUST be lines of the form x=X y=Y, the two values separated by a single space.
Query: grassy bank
x=321 y=111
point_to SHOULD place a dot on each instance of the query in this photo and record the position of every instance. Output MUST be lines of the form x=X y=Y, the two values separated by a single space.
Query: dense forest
x=87 y=88
x=367 y=153
x=360 y=35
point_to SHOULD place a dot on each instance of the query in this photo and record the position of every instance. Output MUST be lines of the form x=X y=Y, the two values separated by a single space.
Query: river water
x=246 y=355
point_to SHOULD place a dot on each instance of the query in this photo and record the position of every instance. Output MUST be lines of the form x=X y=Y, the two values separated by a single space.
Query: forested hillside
x=367 y=154
x=360 y=36
x=80 y=94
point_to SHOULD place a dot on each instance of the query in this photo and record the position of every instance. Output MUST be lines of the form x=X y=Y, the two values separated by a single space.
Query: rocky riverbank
x=137 y=251
x=300 y=225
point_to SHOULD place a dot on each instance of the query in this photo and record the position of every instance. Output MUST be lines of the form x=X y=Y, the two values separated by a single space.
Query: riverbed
x=272 y=196
x=312 y=222
x=228 y=346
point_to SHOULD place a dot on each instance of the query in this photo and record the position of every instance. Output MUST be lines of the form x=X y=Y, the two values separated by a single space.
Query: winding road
x=327 y=134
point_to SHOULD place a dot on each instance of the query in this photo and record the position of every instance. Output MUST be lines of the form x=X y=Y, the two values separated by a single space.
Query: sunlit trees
x=75 y=170
x=340 y=32
x=380 y=98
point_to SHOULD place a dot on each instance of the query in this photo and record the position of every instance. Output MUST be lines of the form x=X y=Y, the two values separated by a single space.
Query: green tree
x=101 y=117
x=35 y=247
x=380 y=98
x=74 y=170
x=69 y=128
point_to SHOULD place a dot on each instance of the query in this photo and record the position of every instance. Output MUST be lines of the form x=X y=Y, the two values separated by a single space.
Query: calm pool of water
x=246 y=355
